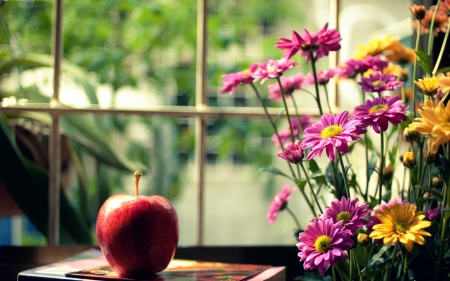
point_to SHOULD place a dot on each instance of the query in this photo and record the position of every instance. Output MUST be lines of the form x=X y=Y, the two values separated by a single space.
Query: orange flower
x=440 y=22
x=399 y=53
x=435 y=122
x=397 y=70
x=444 y=83
x=418 y=11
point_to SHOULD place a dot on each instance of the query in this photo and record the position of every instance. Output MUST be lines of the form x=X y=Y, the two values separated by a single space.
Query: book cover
x=92 y=265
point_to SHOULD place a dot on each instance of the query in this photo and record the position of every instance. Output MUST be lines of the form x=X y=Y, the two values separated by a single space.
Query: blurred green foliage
x=126 y=43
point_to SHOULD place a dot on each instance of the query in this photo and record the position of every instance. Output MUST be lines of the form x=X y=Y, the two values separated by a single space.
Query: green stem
x=351 y=265
x=333 y=270
x=431 y=33
x=366 y=262
x=344 y=174
x=272 y=123
x=441 y=52
x=394 y=253
x=327 y=98
x=357 y=265
x=416 y=49
x=316 y=84
x=310 y=186
x=366 y=154
x=444 y=221
x=380 y=191
x=294 y=217
x=302 y=190
x=286 y=108
x=335 y=179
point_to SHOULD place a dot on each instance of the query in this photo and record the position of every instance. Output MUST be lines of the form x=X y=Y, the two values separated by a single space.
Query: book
x=92 y=265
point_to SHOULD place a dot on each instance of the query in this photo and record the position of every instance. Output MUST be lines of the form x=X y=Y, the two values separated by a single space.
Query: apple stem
x=137 y=176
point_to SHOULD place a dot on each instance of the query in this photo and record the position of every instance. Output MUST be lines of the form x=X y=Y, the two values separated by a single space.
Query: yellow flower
x=400 y=223
x=428 y=85
x=397 y=70
x=409 y=160
x=374 y=47
x=435 y=122
x=444 y=83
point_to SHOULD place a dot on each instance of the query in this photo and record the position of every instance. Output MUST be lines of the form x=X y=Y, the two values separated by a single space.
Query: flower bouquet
x=375 y=227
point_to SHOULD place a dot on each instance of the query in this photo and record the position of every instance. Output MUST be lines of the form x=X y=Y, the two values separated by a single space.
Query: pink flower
x=272 y=69
x=348 y=212
x=232 y=80
x=289 y=84
x=320 y=43
x=353 y=67
x=322 y=244
x=305 y=122
x=381 y=111
x=332 y=132
x=279 y=203
x=433 y=214
x=293 y=152
x=379 y=82
x=323 y=76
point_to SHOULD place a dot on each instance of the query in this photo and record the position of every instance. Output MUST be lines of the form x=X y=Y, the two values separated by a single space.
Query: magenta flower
x=289 y=84
x=279 y=202
x=353 y=67
x=332 y=132
x=232 y=80
x=379 y=82
x=323 y=76
x=293 y=152
x=305 y=122
x=272 y=69
x=381 y=111
x=433 y=214
x=322 y=244
x=348 y=212
x=320 y=43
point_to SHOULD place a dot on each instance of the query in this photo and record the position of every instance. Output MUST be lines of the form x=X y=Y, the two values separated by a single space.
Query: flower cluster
x=379 y=225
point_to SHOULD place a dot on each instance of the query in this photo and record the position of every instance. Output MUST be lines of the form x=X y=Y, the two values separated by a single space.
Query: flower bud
x=363 y=239
x=437 y=182
x=293 y=152
x=409 y=160
x=419 y=11
x=410 y=135
x=388 y=172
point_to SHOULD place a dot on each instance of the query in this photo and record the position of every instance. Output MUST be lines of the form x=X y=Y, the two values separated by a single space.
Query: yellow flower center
x=331 y=131
x=401 y=226
x=344 y=217
x=377 y=83
x=322 y=244
x=378 y=108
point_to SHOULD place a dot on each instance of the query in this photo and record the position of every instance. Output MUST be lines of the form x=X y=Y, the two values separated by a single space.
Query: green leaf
x=301 y=183
x=377 y=258
x=274 y=171
x=28 y=186
x=443 y=70
x=424 y=61
x=84 y=130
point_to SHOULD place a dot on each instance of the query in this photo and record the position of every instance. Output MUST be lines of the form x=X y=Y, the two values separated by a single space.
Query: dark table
x=15 y=259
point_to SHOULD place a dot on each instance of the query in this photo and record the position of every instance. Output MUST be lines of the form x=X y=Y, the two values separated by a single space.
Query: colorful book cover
x=92 y=265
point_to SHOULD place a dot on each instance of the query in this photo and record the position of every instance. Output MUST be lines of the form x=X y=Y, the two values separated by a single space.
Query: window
x=154 y=73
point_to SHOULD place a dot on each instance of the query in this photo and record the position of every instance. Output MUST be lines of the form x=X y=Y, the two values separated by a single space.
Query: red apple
x=137 y=234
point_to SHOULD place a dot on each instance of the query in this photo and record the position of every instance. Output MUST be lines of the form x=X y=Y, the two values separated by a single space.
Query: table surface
x=16 y=259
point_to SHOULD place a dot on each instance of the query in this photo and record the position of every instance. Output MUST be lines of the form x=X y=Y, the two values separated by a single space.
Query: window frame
x=201 y=112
